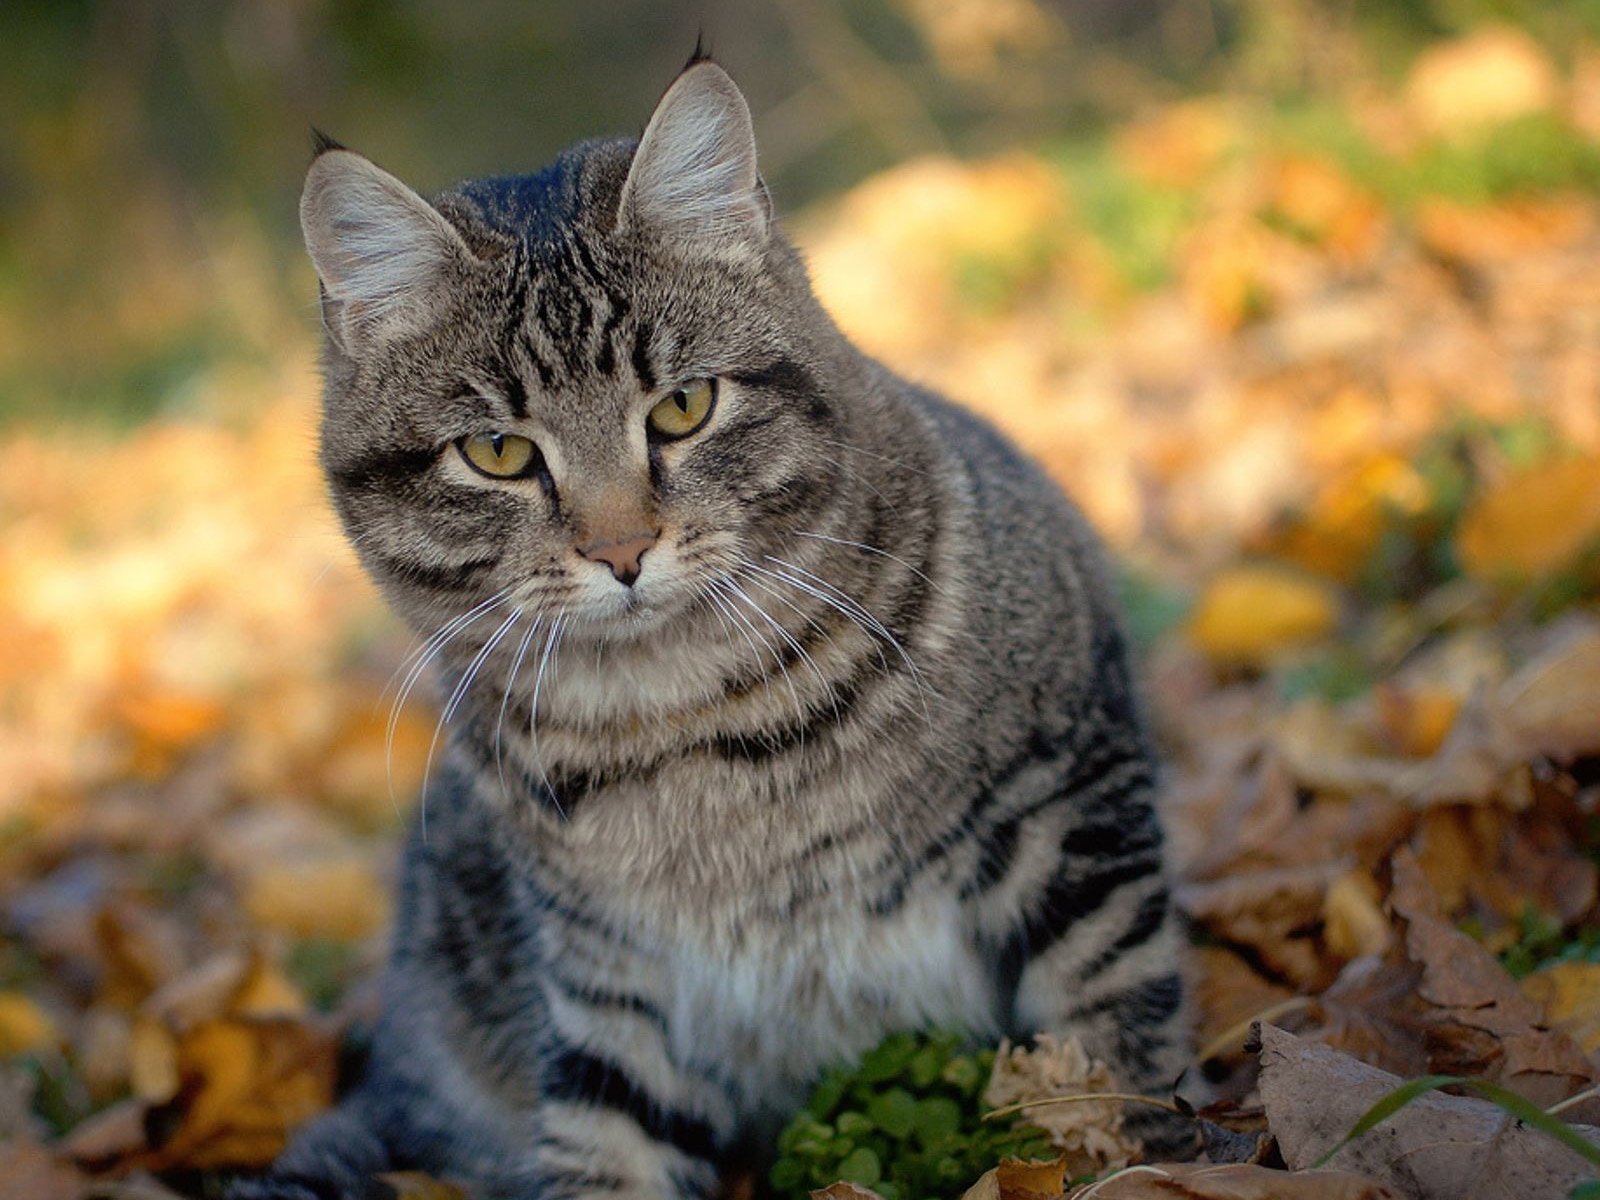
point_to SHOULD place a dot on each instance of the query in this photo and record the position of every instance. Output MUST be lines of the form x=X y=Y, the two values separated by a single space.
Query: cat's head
x=592 y=390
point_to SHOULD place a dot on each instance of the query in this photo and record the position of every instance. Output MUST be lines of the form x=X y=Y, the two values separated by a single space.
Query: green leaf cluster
x=906 y=1121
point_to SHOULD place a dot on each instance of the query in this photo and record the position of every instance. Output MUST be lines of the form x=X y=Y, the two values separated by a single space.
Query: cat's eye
x=499 y=455
x=684 y=410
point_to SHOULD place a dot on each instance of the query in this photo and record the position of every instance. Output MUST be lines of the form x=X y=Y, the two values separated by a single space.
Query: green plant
x=1544 y=940
x=907 y=1121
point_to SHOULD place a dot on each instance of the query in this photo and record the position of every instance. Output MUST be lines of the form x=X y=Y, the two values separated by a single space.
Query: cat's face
x=590 y=395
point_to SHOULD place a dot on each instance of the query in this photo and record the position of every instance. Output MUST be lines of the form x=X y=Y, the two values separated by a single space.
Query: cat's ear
x=693 y=182
x=383 y=253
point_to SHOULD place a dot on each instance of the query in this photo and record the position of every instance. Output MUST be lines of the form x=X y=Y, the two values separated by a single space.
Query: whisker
x=851 y=607
x=794 y=643
x=450 y=708
x=800 y=710
x=731 y=591
x=505 y=702
x=823 y=537
x=893 y=462
x=429 y=650
x=533 y=719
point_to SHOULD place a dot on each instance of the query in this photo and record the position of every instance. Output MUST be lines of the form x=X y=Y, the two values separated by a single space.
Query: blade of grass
x=1520 y=1107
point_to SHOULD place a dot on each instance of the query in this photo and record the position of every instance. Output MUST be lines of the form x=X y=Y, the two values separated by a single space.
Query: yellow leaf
x=24 y=1026
x=1353 y=924
x=1485 y=78
x=152 y=1060
x=1416 y=720
x=1532 y=524
x=245 y=1083
x=415 y=1185
x=1570 y=993
x=1248 y=614
x=267 y=991
x=1336 y=534
x=1019 y=1177
x=334 y=896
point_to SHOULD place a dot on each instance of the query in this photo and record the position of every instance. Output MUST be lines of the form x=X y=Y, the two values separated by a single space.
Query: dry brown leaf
x=1478 y=763
x=1233 y=1181
x=111 y=1137
x=1088 y=1133
x=1416 y=720
x=1276 y=912
x=1014 y=1179
x=1373 y=1013
x=30 y=1172
x=141 y=948
x=1552 y=704
x=1495 y=864
x=1227 y=991
x=244 y=1083
x=336 y=894
x=1436 y=1148
x=1478 y=1021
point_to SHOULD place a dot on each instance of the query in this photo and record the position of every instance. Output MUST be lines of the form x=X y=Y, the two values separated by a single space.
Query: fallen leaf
x=244 y=1083
x=1353 y=926
x=1276 y=912
x=30 y=1172
x=1569 y=993
x=1372 y=1012
x=1438 y=1147
x=1552 y=704
x=1483 y=78
x=1532 y=524
x=1416 y=720
x=24 y=1026
x=415 y=1185
x=1089 y=1132
x=331 y=895
x=1248 y=614
x=1479 y=1022
x=1233 y=1181
x=1012 y=1179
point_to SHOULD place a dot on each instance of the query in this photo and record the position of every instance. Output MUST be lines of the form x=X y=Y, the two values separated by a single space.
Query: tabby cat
x=788 y=704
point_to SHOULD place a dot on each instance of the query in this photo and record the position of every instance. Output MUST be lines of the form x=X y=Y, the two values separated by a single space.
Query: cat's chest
x=788 y=1001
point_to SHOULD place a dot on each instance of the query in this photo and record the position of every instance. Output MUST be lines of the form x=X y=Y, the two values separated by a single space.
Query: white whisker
x=533 y=720
x=505 y=702
x=450 y=708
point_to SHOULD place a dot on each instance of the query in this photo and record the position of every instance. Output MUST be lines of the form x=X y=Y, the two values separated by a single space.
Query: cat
x=788 y=702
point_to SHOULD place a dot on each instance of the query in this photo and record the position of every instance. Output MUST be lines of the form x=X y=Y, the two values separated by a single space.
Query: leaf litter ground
x=1338 y=414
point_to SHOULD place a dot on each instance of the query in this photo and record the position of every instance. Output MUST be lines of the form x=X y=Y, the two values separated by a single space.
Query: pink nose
x=622 y=555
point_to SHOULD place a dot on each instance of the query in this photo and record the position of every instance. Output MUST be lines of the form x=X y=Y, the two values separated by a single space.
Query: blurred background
x=1300 y=298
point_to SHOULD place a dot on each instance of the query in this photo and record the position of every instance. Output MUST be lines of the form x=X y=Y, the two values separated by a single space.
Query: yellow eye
x=501 y=455
x=685 y=410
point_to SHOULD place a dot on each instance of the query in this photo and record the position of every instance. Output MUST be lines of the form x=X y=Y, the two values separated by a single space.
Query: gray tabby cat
x=788 y=703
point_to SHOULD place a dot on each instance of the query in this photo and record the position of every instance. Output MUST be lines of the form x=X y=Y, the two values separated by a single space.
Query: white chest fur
x=773 y=1013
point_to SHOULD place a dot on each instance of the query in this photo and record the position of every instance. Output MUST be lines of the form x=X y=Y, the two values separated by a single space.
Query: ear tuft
x=321 y=143
x=380 y=249
x=693 y=182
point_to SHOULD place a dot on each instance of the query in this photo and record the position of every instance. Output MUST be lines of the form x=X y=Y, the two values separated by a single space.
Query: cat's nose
x=622 y=555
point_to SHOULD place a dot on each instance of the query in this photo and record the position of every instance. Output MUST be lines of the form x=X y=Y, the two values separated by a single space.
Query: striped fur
x=857 y=752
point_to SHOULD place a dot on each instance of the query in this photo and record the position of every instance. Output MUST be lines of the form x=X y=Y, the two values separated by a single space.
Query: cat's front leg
x=620 y=1121
x=1101 y=949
